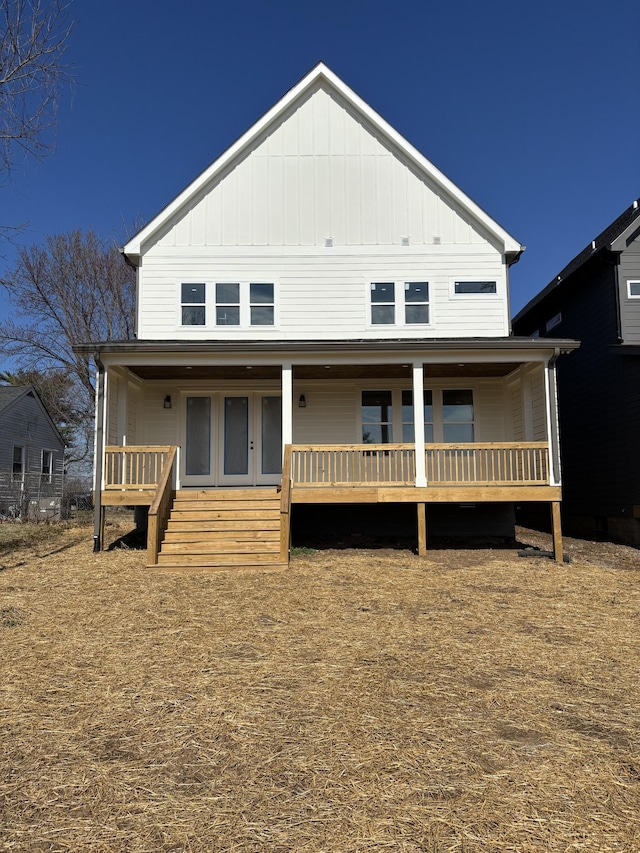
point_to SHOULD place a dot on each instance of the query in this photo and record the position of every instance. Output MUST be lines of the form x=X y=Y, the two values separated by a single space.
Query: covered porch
x=328 y=424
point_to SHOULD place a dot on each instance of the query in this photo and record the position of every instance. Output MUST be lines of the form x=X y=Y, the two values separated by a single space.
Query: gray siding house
x=31 y=456
x=596 y=299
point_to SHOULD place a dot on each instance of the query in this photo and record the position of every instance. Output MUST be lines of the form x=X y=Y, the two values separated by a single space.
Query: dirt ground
x=470 y=700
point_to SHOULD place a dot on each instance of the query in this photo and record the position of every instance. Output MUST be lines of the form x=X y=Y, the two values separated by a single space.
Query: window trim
x=630 y=295
x=399 y=304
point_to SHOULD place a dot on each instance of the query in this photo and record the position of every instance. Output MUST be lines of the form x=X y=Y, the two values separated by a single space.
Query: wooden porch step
x=215 y=535
x=222 y=528
x=246 y=495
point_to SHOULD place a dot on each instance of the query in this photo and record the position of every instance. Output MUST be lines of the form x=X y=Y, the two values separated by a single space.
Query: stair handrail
x=160 y=508
x=285 y=506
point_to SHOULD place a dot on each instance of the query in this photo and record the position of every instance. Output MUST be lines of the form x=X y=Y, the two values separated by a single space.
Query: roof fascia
x=321 y=73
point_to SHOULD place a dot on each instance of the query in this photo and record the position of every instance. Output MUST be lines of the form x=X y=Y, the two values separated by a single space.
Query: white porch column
x=418 y=423
x=287 y=405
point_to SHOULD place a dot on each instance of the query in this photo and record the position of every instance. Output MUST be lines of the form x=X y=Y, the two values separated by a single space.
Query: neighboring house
x=294 y=302
x=596 y=298
x=31 y=456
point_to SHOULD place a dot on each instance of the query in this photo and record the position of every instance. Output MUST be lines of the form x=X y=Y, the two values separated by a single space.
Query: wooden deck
x=324 y=474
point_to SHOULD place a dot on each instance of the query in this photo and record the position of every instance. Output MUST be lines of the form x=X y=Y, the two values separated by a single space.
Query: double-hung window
x=261 y=304
x=193 y=305
x=383 y=303
x=228 y=304
x=416 y=302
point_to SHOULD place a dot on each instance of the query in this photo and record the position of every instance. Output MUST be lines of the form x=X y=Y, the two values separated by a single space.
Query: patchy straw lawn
x=362 y=701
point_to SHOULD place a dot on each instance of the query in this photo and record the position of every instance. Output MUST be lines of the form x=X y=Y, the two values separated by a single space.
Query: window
x=457 y=416
x=261 y=304
x=416 y=302
x=408 y=434
x=17 y=468
x=227 y=304
x=475 y=287
x=46 y=467
x=377 y=417
x=383 y=304
x=193 y=305
x=394 y=303
x=553 y=322
x=634 y=289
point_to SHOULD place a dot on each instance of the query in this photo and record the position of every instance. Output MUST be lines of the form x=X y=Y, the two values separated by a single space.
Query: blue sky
x=531 y=109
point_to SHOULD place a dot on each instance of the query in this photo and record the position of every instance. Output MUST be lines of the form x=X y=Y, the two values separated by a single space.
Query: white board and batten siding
x=322 y=173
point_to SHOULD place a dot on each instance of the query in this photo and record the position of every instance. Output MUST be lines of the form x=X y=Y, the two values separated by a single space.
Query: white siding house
x=295 y=300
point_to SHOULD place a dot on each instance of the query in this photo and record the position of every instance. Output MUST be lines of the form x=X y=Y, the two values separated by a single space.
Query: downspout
x=98 y=457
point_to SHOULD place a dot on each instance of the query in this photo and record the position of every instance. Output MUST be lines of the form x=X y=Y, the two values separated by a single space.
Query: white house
x=293 y=302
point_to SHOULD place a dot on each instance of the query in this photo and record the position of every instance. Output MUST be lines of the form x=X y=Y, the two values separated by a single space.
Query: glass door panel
x=236 y=436
x=198 y=437
x=271 y=436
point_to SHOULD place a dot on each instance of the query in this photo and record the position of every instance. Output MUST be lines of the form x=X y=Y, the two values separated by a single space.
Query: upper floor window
x=553 y=322
x=416 y=302
x=261 y=304
x=46 y=467
x=475 y=288
x=193 y=305
x=394 y=303
x=634 y=289
x=383 y=304
x=227 y=304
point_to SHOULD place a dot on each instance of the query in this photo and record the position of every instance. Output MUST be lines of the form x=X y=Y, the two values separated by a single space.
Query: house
x=31 y=456
x=294 y=302
x=596 y=298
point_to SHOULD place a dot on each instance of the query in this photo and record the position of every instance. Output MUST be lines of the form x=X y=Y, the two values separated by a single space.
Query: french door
x=232 y=439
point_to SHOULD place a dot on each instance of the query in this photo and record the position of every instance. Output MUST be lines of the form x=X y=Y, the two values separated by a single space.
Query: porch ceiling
x=335 y=371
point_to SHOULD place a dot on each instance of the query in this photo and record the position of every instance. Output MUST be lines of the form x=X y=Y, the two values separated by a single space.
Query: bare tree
x=33 y=41
x=73 y=289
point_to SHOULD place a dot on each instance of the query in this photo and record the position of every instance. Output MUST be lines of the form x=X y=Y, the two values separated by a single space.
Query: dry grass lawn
x=362 y=701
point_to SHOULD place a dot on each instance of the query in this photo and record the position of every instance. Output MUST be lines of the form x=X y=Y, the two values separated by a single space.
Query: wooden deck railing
x=488 y=463
x=134 y=467
x=160 y=508
x=481 y=463
x=352 y=464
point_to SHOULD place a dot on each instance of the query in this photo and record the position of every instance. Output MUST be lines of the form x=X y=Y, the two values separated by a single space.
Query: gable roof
x=10 y=394
x=615 y=237
x=322 y=75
